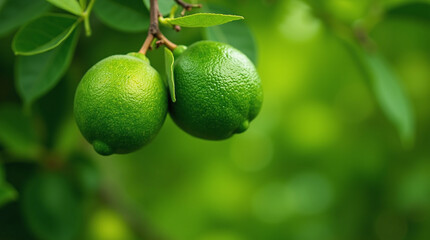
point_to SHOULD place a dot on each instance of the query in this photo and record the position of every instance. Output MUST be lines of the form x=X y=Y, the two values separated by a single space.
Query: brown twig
x=170 y=45
x=154 y=30
x=147 y=44
x=187 y=6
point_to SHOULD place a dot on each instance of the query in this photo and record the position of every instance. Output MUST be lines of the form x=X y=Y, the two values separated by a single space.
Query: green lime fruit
x=120 y=104
x=218 y=91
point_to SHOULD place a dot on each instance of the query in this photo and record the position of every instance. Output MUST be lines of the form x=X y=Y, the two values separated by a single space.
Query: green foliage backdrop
x=340 y=149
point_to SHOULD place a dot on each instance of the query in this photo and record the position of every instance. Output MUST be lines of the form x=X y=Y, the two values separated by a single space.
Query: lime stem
x=86 y=15
x=173 y=11
x=87 y=26
x=146 y=45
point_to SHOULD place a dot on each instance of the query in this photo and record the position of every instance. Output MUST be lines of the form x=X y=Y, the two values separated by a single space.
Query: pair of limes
x=121 y=102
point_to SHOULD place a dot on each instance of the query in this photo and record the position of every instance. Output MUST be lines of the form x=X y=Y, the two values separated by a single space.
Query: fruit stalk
x=86 y=16
x=154 y=30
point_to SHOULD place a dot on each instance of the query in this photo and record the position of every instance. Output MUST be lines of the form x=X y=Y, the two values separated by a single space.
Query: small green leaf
x=43 y=34
x=37 y=74
x=391 y=96
x=7 y=194
x=14 y=13
x=235 y=33
x=17 y=133
x=203 y=20
x=71 y=6
x=414 y=10
x=51 y=208
x=123 y=15
x=163 y=5
x=168 y=61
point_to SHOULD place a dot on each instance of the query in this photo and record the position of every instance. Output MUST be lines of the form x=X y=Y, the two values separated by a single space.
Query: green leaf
x=235 y=33
x=43 y=34
x=1 y=172
x=415 y=10
x=66 y=137
x=391 y=96
x=123 y=15
x=2 y=2
x=168 y=61
x=17 y=133
x=71 y=6
x=37 y=74
x=85 y=173
x=203 y=20
x=7 y=194
x=14 y=13
x=164 y=6
x=51 y=208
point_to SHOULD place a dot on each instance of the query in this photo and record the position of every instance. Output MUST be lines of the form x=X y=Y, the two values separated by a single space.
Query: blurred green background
x=322 y=161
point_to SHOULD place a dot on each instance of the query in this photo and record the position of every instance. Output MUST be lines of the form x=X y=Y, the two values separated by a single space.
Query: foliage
x=169 y=59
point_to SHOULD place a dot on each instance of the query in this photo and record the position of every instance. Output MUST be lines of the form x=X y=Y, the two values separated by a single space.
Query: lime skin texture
x=120 y=104
x=218 y=91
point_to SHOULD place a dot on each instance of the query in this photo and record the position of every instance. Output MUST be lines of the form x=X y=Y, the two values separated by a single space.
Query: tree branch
x=154 y=30
x=187 y=6
x=154 y=13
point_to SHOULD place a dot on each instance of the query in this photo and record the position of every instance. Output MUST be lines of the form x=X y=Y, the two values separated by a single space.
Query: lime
x=120 y=104
x=218 y=91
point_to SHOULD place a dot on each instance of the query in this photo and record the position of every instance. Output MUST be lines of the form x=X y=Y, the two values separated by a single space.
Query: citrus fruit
x=120 y=104
x=218 y=91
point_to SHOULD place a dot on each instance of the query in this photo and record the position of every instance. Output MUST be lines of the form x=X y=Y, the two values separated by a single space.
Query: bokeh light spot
x=251 y=151
x=299 y=24
x=309 y=193
x=107 y=225
x=305 y=194
x=269 y=203
x=313 y=126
